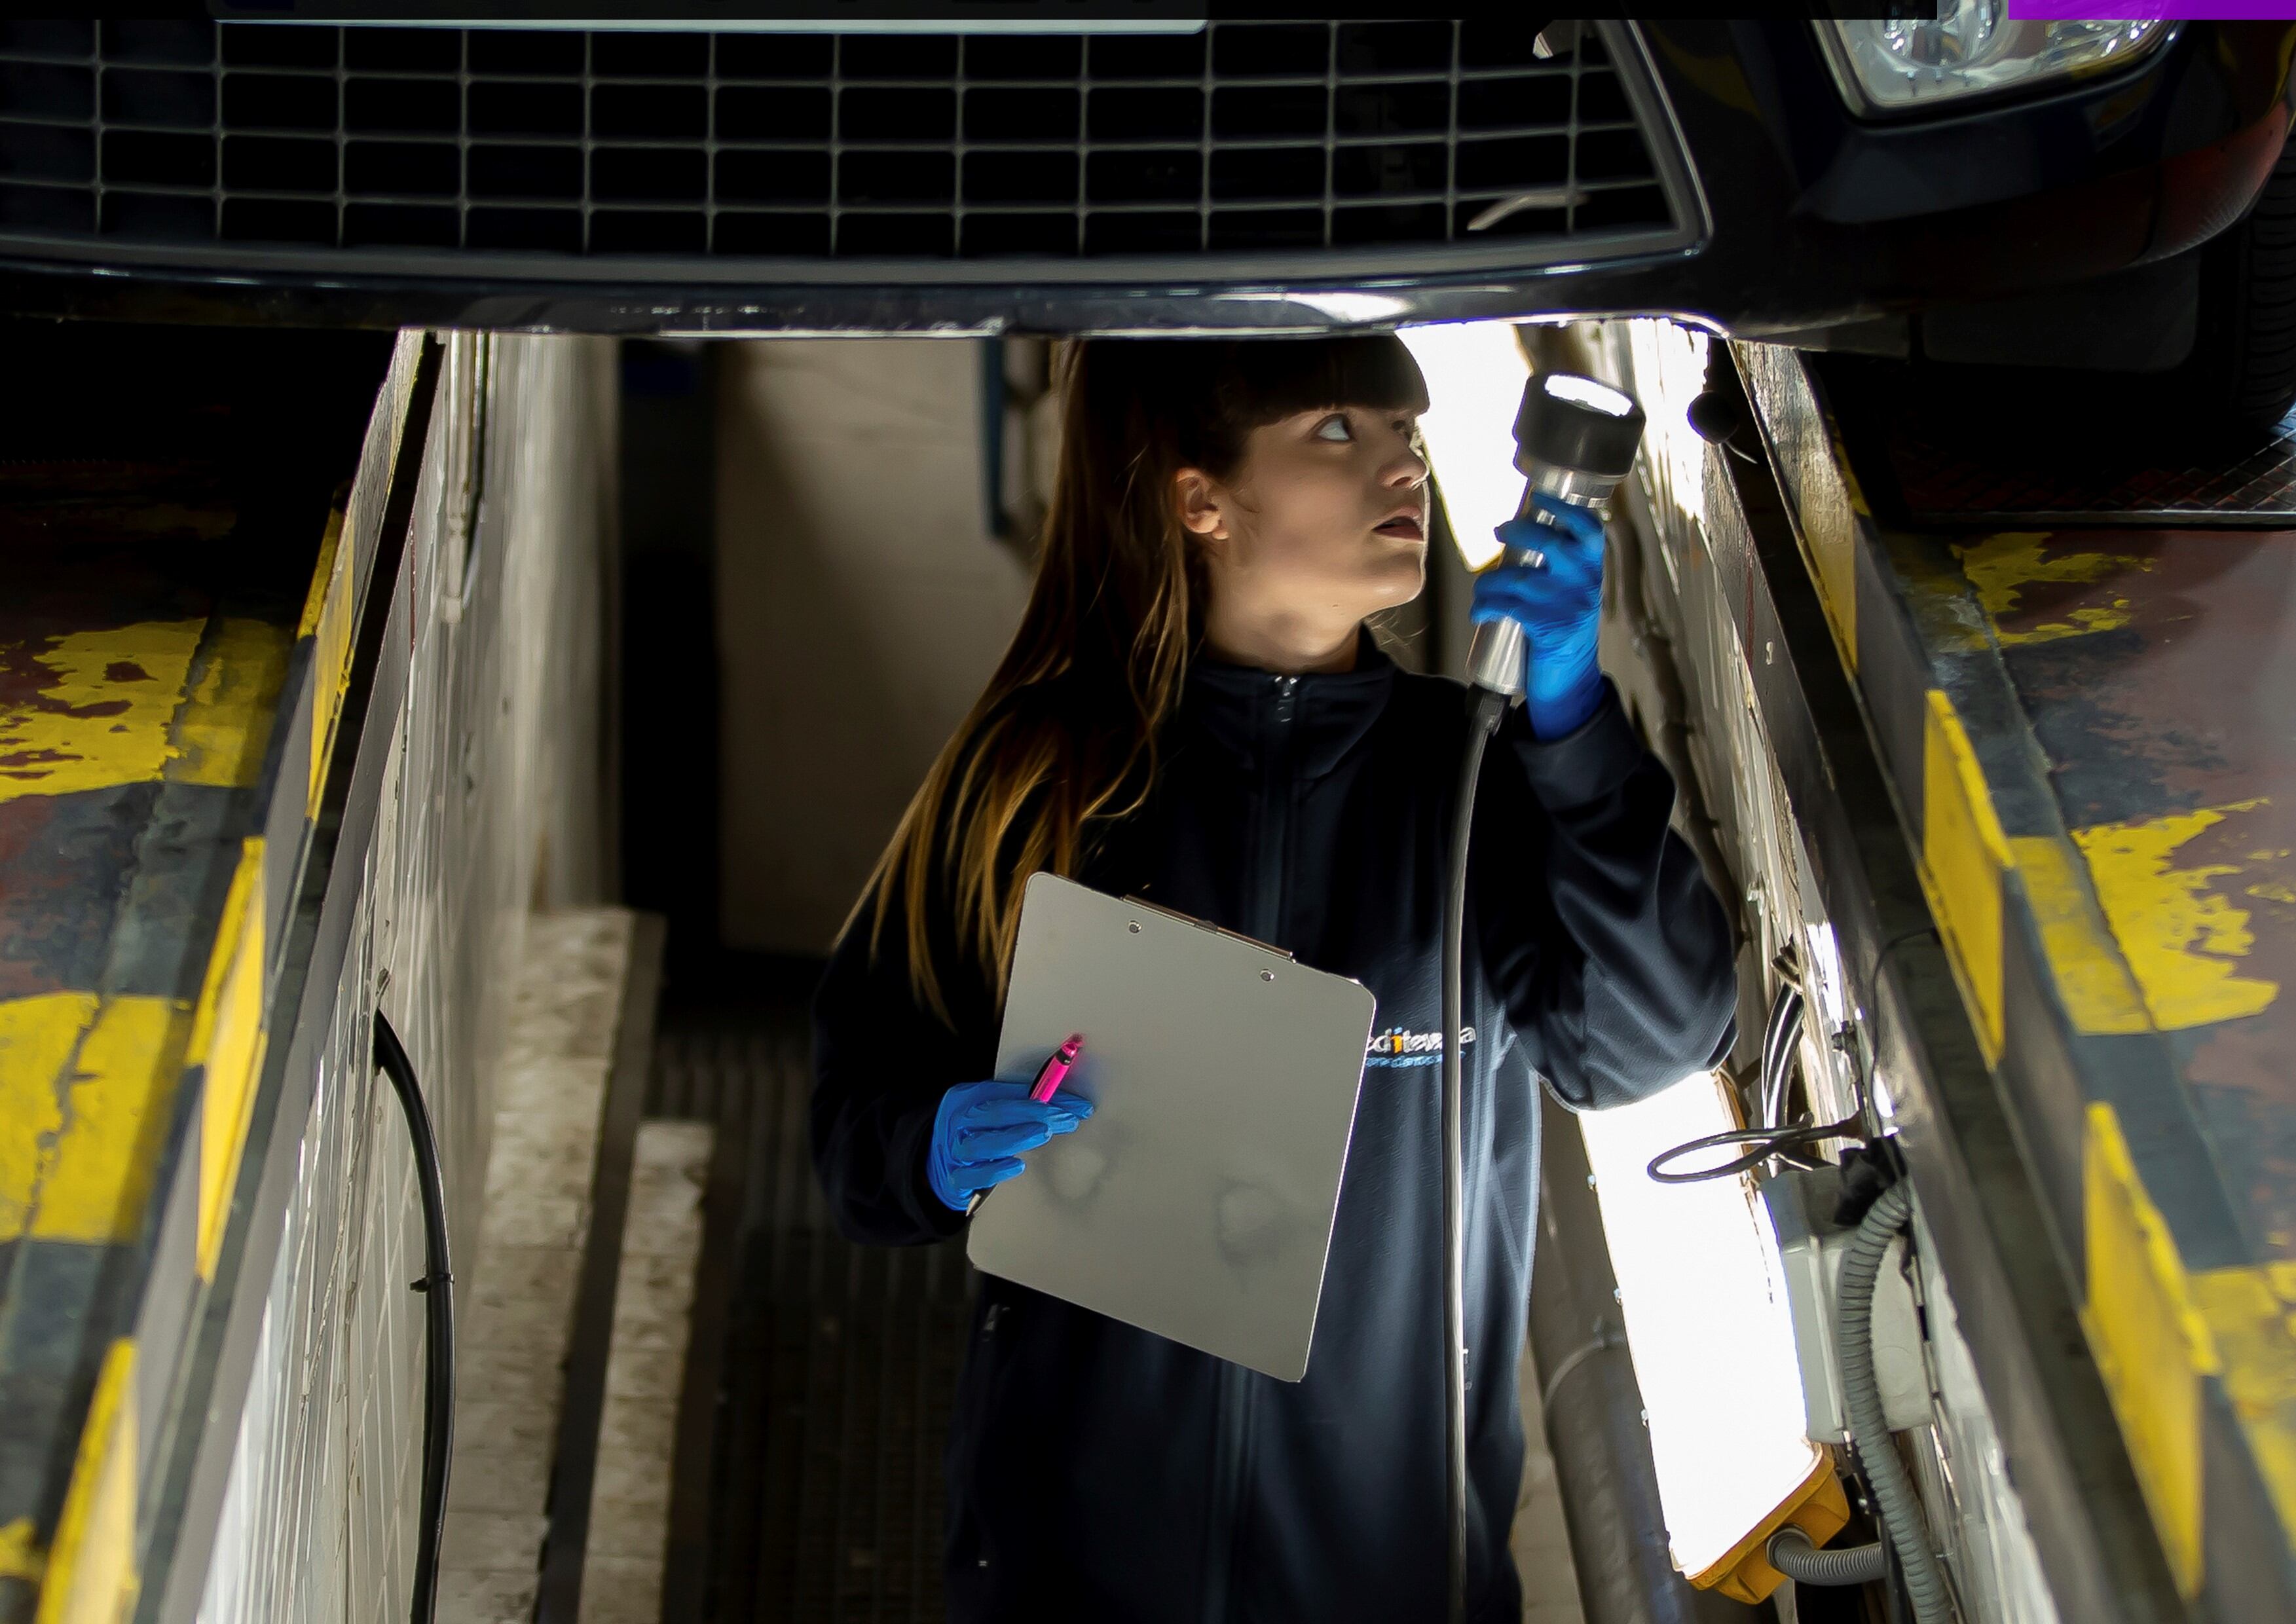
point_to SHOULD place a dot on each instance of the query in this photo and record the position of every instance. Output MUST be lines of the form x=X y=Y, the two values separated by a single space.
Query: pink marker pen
x=1056 y=1069
x=1055 y=1073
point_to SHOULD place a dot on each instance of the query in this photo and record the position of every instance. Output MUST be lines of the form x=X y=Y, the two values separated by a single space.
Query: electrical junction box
x=1810 y=1248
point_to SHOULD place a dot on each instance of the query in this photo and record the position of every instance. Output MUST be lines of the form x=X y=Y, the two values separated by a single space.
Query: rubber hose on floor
x=1484 y=710
x=438 y=1288
x=1791 y=1554
x=1869 y=1425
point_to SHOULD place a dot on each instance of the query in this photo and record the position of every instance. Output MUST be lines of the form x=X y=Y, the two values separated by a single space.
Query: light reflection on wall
x=1670 y=362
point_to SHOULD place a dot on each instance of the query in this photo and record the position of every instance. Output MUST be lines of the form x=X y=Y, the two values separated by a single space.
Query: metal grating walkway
x=840 y=1362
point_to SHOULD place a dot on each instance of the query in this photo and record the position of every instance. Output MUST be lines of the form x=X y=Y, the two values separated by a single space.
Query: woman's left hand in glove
x=1558 y=603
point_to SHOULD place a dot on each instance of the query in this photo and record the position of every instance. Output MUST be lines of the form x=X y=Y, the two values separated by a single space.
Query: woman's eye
x=1334 y=429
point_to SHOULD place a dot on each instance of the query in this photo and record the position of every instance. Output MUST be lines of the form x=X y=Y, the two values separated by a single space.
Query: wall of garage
x=490 y=806
x=861 y=605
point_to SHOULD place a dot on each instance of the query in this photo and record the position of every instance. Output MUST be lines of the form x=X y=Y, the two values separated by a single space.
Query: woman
x=1194 y=711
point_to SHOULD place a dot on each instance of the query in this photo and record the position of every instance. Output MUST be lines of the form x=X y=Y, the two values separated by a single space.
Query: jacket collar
x=1240 y=709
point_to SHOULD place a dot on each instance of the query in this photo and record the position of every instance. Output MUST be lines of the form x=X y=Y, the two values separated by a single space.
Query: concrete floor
x=1540 y=1541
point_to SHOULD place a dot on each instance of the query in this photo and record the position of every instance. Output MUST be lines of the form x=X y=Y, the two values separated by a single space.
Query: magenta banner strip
x=2129 y=11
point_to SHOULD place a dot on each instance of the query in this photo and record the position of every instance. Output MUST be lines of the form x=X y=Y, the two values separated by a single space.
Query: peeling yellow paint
x=104 y=718
x=37 y=1038
x=2182 y=940
x=2000 y=565
x=226 y=722
x=84 y=1091
x=97 y=1176
x=1938 y=594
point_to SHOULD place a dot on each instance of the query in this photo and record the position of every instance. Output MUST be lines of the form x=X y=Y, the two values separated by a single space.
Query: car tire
x=2242 y=372
x=2220 y=403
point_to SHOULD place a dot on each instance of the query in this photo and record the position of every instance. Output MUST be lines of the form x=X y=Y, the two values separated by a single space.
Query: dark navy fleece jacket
x=1099 y=1472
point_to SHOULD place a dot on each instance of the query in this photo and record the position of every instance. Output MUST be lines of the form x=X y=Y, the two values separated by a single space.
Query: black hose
x=1484 y=710
x=437 y=1287
x=1777 y=1053
x=1767 y=1141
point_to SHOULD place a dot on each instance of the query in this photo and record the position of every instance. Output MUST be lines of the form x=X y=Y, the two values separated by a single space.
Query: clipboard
x=1198 y=1200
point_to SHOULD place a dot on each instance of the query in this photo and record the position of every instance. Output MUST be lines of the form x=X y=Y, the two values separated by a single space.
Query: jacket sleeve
x=881 y=1065
x=1597 y=928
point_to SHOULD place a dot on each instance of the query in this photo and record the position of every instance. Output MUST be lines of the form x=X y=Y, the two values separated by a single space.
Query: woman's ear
x=1199 y=502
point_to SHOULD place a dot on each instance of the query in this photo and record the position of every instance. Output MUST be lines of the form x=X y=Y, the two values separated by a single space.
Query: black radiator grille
x=1241 y=138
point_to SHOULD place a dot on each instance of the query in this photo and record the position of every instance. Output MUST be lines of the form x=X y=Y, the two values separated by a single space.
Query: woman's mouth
x=1406 y=526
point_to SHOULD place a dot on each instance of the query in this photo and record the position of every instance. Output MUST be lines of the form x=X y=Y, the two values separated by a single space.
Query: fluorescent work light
x=1703 y=1296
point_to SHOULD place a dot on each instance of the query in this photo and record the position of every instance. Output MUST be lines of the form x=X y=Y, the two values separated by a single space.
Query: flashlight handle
x=1495 y=658
x=1496 y=650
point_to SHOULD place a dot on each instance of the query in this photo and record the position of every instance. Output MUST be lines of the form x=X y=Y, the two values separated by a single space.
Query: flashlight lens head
x=1579 y=423
x=1596 y=397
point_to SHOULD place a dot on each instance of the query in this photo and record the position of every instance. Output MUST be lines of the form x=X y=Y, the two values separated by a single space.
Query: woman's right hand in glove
x=981 y=1130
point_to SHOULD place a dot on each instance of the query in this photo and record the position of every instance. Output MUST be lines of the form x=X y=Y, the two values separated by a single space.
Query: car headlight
x=1973 y=48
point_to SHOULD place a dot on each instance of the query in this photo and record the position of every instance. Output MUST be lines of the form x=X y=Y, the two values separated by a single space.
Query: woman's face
x=1323 y=522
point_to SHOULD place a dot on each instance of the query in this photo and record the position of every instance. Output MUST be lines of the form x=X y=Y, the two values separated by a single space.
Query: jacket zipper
x=1267 y=894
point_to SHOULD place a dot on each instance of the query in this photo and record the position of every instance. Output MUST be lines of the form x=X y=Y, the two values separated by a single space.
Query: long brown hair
x=1063 y=739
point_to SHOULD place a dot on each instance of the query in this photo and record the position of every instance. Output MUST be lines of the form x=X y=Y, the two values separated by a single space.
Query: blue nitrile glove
x=1558 y=604
x=981 y=1130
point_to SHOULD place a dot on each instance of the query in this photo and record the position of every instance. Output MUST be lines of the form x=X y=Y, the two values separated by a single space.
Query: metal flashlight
x=1575 y=438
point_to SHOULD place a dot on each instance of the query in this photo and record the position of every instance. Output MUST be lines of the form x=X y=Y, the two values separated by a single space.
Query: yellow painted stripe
x=220 y=738
x=2093 y=982
x=1964 y=855
x=2182 y=933
x=21 y=1556
x=38 y=1037
x=2152 y=1346
x=101 y=712
x=323 y=575
x=2251 y=1318
x=227 y=1042
x=91 y=1572
x=327 y=621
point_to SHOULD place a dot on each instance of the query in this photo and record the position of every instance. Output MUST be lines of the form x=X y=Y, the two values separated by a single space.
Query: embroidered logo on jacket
x=1396 y=1046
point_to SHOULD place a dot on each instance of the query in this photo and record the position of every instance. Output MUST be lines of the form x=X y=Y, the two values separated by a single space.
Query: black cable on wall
x=437 y=1287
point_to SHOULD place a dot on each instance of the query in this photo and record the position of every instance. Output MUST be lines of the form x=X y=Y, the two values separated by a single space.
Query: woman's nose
x=1409 y=469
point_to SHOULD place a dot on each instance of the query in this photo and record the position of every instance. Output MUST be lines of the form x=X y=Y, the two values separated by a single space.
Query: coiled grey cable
x=1869 y=1424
